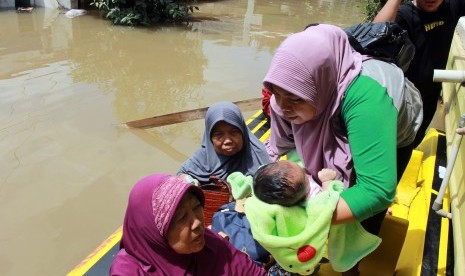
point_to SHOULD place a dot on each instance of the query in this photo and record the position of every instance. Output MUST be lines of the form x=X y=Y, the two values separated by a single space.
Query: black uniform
x=432 y=34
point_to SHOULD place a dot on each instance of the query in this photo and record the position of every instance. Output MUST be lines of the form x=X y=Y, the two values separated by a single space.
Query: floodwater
x=67 y=160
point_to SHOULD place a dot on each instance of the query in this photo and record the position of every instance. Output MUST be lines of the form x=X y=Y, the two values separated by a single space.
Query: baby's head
x=282 y=182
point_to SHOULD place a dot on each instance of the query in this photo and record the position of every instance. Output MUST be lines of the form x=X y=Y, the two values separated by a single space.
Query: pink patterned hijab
x=144 y=246
x=318 y=66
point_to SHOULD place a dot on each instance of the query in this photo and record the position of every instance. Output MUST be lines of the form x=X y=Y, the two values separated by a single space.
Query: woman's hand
x=190 y=179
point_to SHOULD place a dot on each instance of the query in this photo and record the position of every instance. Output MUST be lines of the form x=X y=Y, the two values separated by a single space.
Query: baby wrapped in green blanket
x=295 y=227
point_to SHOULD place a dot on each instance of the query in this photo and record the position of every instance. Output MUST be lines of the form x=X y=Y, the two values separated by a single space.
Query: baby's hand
x=326 y=175
x=461 y=131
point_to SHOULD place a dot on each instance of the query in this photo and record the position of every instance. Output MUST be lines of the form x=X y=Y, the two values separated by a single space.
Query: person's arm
x=342 y=214
x=242 y=264
x=184 y=173
x=124 y=264
x=371 y=122
x=388 y=12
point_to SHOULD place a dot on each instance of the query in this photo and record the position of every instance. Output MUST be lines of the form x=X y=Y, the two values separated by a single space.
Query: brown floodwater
x=67 y=160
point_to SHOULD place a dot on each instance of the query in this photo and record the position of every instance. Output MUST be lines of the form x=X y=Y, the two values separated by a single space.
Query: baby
x=290 y=216
x=286 y=183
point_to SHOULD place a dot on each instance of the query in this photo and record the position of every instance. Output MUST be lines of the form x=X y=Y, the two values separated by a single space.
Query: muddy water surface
x=66 y=86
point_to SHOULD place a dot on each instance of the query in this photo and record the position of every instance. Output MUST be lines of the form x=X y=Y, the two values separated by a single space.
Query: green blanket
x=296 y=236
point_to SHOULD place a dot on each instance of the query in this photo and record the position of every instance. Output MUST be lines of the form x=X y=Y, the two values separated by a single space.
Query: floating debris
x=24 y=9
x=75 y=12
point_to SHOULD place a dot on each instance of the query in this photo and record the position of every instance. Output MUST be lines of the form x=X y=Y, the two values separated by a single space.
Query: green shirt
x=371 y=121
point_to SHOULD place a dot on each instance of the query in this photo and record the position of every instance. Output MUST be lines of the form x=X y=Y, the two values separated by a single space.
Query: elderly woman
x=164 y=234
x=228 y=146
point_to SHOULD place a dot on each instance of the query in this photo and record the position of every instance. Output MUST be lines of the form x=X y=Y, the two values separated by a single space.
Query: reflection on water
x=66 y=85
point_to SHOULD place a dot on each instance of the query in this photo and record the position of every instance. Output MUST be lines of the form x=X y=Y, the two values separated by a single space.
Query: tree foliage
x=144 y=12
x=372 y=7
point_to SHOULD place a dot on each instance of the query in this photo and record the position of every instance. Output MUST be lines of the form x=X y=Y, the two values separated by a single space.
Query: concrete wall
x=7 y=3
x=67 y=4
x=454 y=107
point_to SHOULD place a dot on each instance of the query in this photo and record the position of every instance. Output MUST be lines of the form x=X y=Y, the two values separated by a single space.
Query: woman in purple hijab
x=164 y=234
x=339 y=117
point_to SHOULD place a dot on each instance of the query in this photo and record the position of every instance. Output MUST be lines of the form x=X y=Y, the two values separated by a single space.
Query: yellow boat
x=416 y=239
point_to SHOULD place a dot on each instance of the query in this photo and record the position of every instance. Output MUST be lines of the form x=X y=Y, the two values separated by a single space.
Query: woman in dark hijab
x=228 y=146
x=164 y=234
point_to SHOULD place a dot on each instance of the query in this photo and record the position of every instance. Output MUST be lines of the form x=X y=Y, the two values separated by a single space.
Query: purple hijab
x=206 y=162
x=144 y=246
x=318 y=66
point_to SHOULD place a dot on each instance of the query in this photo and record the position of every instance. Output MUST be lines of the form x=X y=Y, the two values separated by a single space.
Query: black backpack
x=385 y=40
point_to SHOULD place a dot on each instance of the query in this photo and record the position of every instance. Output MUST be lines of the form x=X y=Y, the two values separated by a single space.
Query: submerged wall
x=7 y=3
x=67 y=4
x=454 y=107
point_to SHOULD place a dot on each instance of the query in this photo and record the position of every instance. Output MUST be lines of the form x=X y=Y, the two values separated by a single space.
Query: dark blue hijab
x=207 y=162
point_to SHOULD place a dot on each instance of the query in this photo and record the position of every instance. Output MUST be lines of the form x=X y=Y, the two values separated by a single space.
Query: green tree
x=144 y=12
